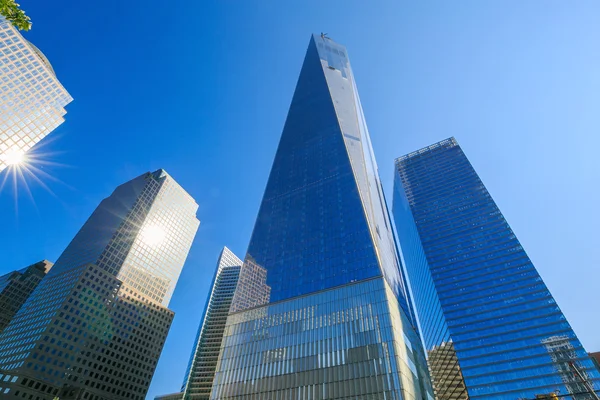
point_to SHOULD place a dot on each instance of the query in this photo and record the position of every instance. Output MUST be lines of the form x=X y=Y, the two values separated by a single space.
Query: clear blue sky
x=201 y=89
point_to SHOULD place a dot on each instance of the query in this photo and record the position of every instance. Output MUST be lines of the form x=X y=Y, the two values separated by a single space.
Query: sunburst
x=25 y=169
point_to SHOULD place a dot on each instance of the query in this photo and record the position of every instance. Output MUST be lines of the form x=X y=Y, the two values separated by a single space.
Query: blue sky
x=201 y=89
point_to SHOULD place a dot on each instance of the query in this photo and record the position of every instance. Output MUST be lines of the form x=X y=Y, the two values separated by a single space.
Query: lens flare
x=21 y=170
x=13 y=157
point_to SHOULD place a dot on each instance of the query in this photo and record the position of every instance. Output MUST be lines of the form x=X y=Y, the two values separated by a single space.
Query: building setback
x=491 y=327
x=596 y=358
x=172 y=396
x=203 y=360
x=15 y=288
x=33 y=100
x=321 y=310
x=95 y=326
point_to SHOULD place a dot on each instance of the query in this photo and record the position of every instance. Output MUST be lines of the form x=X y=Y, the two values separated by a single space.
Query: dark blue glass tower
x=491 y=327
x=320 y=310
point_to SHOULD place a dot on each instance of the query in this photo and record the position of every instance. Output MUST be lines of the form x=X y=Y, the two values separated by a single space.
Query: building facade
x=321 y=310
x=95 y=326
x=32 y=99
x=491 y=327
x=172 y=396
x=15 y=288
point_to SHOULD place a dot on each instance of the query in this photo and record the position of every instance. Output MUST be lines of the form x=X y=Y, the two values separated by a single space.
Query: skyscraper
x=487 y=319
x=321 y=310
x=15 y=288
x=203 y=361
x=95 y=326
x=32 y=99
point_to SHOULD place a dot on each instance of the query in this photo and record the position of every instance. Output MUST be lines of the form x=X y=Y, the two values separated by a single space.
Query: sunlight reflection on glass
x=152 y=235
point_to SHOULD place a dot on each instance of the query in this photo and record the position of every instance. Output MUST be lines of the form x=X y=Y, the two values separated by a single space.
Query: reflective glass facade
x=203 y=361
x=91 y=329
x=146 y=230
x=302 y=324
x=491 y=327
x=32 y=100
x=351 y=342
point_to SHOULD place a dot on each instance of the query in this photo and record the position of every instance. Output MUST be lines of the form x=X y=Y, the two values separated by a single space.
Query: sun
x=13 y=157
x=22 y=168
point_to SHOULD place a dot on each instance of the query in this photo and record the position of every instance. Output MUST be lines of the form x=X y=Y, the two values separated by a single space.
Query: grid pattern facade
x=476 y=289
x=322 y=229
x=15 y=288
x=203 y=361
x=93 y=340
x=32 y=100
x=165 y=219
x=85 y=333
x=446 y=376
x=148 y=224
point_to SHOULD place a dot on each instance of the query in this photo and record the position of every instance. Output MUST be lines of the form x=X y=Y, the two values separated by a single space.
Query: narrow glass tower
x=321 y=310
x=95 y=326
x=203 y=362
x=491 y=327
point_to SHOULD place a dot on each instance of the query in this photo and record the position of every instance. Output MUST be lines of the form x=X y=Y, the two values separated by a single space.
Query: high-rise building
x=15 y=288
x=321 y=310
x=203 y=361
x=491 y=327
x=32 y=99
x=95 y=326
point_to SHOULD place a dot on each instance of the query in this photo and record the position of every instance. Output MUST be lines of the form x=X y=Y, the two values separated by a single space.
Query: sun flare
x=13 y=157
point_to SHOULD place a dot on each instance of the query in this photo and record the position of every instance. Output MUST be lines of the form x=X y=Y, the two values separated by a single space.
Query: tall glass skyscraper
x=32 y=100
x=321 y=310
x=200 y=372
x=490 y=325
x=95 y=326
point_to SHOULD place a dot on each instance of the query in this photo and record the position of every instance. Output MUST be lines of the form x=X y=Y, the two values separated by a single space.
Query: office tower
x=32 y=99
x=15 y=288
x=203 y=361
x=321 y=311
x=95 y=326
x=479 y=299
